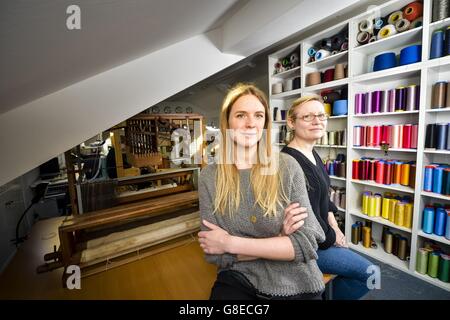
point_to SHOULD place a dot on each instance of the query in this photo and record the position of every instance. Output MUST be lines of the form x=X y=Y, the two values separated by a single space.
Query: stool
x=328 y=281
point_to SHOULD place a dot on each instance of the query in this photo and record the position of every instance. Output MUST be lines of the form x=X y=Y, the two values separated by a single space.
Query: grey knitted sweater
x=277 y=278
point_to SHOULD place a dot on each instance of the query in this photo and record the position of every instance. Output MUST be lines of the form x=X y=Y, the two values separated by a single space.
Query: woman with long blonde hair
x=249 y=200
x=307 y=120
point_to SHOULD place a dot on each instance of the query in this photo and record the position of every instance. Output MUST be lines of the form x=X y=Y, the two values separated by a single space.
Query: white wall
x=37 y=131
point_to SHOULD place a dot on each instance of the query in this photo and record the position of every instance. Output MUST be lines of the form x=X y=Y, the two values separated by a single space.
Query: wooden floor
x=179 y=273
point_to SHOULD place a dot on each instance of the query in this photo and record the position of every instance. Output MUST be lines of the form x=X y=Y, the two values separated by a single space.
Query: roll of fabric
x=402 y=25
x=394 y=17
x=322 y=54
x=410 y=54
x=413 y=11
x=439 y=95
x=387 y=31
x=385 y=61
x=437 y=44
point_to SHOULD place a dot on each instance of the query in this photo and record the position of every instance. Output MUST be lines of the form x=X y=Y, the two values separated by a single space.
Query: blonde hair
x=292 y=110
x=267 y=189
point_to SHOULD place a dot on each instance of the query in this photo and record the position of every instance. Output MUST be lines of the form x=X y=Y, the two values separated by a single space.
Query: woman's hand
x=294 y=217
x=340 y=238
x=214 y=241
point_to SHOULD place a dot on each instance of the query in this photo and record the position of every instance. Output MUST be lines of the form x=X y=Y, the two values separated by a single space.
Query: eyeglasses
x=310 y=117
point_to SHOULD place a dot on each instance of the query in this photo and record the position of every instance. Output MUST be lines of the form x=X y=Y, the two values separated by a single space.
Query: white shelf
x=394 y=187
x=439 y=24
x=389 y=150
x=327 y=85
x=337 y=117
x=381 y=255
x=380 y=220
x=397 y=73
x=435 y=195
x=280 y=122
x=434 y=237
x=434 y=281
x=386 y=114
x=291 y=73
x=338 y=178
x=396 y=41
x=328 y=146
x=340 y=209
x=438 y=110
x=287 y=94
x=329 y=61
x=437 y=151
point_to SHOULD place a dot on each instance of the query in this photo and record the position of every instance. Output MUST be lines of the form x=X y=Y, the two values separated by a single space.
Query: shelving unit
x=359 y=60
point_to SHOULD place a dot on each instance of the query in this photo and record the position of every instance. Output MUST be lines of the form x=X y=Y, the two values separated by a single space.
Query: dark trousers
x=232 y=285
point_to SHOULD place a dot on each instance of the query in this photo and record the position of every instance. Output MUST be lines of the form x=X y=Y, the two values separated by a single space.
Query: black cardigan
x=318 y=184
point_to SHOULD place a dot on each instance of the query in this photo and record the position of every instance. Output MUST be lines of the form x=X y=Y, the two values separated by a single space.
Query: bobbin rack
x=289 y=81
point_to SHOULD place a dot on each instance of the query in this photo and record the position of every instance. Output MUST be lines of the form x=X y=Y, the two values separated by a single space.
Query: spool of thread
x=433 y=264
x=389 y=172
x=416 y=23
x=397 y=136
x=337 y=41
x=344 y=46
x=388 y=242
x=340 y=107
x=399 y=214
x=366 y=25
x=327 y=108
x=422 y=260
x=332 y=138
x=380 y=172
x=448 y=137
x=326 y=44
x=414 y=136
x=400 y=99
x=313 y=78
x=367 y=239
x=296 y=84
x=439 y=95
x=412 y=101
x=328 y=75
x=447 y=41
x=405 y=174
x=428 y=220
x=312 y=52
x=372 y=39
x=402 y=25
x=379 y=23
x=430 y=136
x=277 y=88
x=394 y=17
x=392 y=207
x=376 y=101
x=402 y=249
x=438 y=175
x=385 y=208
x=428 y=178
x=407 y=136
x=339 y=72
x=413 y=11
x=384 y=102
x=355 y=234
x=397 y=176
x=360 y=101
x=447 y=228
x=410 y=54
x=368 y=103
x=288 y=85
x=395 y=244
x=365 y=202
x=441 y=143
x=383 y=233
x=446 y=182
x=439 y=221
x=358 y=136
x=444 y=268
x=412 y=176
x=440 y=10
x=387 y=31
x=437 y=44
x=322 y=54
x=363 y=37
x=391 y=100
x=407 y=219
x=385 y=60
